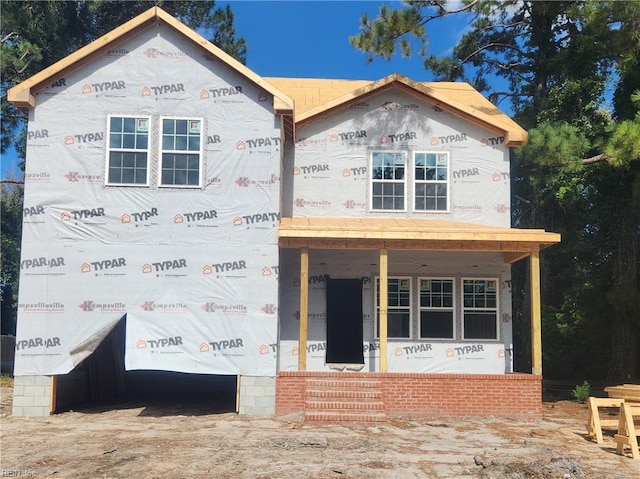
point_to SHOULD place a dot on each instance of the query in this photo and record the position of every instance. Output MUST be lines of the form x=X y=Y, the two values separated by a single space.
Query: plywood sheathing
x=315 y=98
x=413 y=234
x=23 y=94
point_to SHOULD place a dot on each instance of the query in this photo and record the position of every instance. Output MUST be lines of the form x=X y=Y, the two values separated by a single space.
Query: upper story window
x=388 y=181
x=128 y=151
x=132 y=146
x=427 y=188
x=181 y=155
x=479 y=309
x=436 y=308
x=431 y=181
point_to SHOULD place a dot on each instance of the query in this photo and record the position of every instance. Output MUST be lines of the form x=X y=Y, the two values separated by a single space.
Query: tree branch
x=491 y=45
x=8 y=36
x=595 y=159
x=12 y=182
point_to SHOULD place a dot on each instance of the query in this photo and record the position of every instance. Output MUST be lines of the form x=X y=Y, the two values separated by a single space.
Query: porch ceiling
x=410 y=234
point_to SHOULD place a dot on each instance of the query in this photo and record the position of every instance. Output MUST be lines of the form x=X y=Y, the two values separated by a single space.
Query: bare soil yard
x=163 y=441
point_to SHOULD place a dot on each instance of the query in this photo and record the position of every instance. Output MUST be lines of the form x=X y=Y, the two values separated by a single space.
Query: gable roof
x=22 y=95
x=317 y=97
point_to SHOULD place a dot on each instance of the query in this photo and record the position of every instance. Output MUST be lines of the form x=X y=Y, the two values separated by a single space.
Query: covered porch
x=402 y=389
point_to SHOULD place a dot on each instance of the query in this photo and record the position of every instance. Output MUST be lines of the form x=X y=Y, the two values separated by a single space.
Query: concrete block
x=16 y=411
x=247 y=401
x=259 y=411
x=18 y=390
x=35 y=391
x=36 y=411
x=24 y=381
x=43 y=401
x=266 y=402
x=247 y=381
x=22 y=401
x=41 y=380
x=255 y=391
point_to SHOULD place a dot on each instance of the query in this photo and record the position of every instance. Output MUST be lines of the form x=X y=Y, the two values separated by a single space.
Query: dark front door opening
x=344 y=321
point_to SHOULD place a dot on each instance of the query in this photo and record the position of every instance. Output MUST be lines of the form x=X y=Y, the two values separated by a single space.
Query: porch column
x=536 y=332
x=304 y=308
x=384 y=302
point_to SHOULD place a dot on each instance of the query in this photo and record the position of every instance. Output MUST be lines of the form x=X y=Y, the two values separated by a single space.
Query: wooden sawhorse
x=627 y=433
x=594 y=423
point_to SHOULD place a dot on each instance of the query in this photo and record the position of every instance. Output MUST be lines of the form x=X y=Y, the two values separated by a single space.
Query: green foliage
x=10 y=235
x=624 y=145
x=581 y=392
x=554 y=145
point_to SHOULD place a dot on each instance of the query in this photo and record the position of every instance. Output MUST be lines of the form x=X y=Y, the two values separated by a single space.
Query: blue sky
x=310 y=39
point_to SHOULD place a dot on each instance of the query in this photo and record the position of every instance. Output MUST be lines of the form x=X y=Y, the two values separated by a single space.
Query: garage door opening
x=100 y=383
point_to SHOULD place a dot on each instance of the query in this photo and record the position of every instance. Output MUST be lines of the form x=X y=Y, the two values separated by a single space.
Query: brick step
x=342 y=416
x=363 y=394
x=340 y=399
x=315 y=404
x=348 y=384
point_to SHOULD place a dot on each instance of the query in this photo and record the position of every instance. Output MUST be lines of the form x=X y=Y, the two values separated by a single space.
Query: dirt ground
x=158 y=442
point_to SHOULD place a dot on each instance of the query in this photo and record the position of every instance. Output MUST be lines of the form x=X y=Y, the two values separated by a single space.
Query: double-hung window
x=398 y=307
x=128 y=151
x=436 y=308
x=181 y=152
x=480 y=308
x=427 y=188
x=388 y=181
x=431 y=181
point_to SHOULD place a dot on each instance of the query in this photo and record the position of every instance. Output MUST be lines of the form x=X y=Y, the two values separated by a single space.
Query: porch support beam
x=536 y=314
x=384 y=302
x=304 y=308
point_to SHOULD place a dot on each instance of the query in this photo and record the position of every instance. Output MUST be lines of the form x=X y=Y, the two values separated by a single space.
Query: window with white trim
x=388 y=181
x=436 y=308
x=128 y=151
x=431 y=176
x=398 y=307
x=479 y=309
x=181 y=152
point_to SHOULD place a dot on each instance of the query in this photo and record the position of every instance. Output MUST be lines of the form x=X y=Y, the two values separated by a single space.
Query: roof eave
x=23 y=94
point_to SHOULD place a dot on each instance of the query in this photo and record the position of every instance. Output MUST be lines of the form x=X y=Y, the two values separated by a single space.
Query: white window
x=398 y=307
x=128 y=151
x=479 y=309
x=431 y=176
x=388 y=181
x=181 y=152
x=436 y=308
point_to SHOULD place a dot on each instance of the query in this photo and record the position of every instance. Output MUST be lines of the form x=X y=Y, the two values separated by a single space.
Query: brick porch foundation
x=430 y=395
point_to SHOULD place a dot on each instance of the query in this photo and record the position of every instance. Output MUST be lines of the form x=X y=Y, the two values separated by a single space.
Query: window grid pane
x=431 y=175
x=436 y=308
x=480 y=309
x=128 y=150
x=398 y=307
x=388 y=180
x=181 y=140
